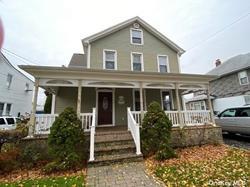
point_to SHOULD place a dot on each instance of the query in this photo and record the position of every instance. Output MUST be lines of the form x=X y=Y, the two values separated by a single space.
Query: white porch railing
x=134 y=128
x=44 y=122
x=92 y=137
x=86 y=119
x=196 y=117
x=188 y=117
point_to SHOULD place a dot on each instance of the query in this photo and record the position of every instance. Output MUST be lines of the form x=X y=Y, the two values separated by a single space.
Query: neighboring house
x=15 y=90
x=123 y=69
x=231 y=88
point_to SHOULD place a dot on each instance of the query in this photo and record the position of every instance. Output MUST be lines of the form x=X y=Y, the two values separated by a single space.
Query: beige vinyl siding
x=120 y=41
x=88 y=99
x=121 y=109
x=66 y=97
x=152 y=95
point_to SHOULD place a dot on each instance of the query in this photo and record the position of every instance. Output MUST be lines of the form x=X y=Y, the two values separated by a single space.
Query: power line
x=20 y=57
x=219 y=31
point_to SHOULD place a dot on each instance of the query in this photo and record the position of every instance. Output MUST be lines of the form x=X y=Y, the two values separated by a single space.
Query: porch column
x=53 y=104
x=178 y=104
x=141 y=102
x=33 y=112
x=210 y=105
x=79 y=98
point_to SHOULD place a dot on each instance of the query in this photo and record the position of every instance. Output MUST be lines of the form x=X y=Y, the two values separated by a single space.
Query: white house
x=15 y=90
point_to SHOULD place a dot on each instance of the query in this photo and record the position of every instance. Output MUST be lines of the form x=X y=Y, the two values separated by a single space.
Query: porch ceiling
x=69 y=73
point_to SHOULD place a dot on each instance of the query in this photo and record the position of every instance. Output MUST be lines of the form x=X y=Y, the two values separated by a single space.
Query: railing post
x=210 y=106
x=138 y=142
x=92 y=138
x=128 y=110
x=178 y=105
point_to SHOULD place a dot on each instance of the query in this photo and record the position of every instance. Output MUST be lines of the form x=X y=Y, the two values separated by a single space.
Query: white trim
x=244 y=77
x=104 y=58
x=88 y=57
x=113 y=106
x=142 y=61
x=167 y=63
x=131 y=40
x=53 y=104
x=178 y=61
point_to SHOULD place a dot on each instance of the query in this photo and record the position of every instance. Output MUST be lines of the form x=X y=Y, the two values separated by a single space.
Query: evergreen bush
x=155 y=133
x=66 y=141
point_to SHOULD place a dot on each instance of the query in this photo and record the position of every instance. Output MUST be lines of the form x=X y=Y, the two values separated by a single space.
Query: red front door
x=105 y=108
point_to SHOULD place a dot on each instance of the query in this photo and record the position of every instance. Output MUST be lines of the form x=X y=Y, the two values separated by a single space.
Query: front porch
x=116 y=98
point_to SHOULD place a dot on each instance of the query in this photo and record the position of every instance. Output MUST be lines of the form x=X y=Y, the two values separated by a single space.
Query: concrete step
x=115 y=149
x=116 y=158
x=109 y=137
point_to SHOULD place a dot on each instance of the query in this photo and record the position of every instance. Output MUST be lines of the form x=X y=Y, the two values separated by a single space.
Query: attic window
x=136 y=36
x=243 y=78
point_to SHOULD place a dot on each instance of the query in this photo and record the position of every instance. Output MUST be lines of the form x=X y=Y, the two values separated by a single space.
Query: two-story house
x=230 y=88
x=123 y=69
x=15 y=90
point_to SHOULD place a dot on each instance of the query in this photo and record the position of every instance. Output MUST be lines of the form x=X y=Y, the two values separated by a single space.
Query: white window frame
x=171 y=98
x=144 y=98
x=240 y=77
x=104 y=58
x=131 y=37
x=167 y=63
x=142 y=62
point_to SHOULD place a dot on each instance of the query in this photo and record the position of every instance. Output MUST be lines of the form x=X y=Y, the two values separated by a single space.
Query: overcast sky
x=48 y=32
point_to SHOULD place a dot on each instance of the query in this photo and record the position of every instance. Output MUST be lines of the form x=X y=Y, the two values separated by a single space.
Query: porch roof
x=76 y=73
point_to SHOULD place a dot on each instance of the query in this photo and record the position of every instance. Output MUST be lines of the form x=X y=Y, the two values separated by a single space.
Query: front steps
x=114 y=145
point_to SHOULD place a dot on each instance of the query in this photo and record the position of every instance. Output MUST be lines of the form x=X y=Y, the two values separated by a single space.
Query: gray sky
x=48 y=32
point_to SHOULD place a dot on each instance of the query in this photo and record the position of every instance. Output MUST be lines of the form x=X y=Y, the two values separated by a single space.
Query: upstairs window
x=136 y=36
x=243 y=78
x=9 y=80
x=162 y=63
x=137 y=64
x=109 y=58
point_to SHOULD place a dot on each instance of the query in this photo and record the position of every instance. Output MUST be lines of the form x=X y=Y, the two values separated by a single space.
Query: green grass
x=231 y=169
x=73 y=181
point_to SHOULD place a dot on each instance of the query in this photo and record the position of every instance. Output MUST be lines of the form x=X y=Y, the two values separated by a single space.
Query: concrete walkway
x=122 y=175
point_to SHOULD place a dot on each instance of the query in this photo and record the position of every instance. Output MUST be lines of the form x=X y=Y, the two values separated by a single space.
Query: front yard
x=204 y=166
x=72 y=181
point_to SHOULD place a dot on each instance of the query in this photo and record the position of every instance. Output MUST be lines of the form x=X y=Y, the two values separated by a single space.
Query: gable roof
x=5 y=60
x=232 y=65
x=128 y=22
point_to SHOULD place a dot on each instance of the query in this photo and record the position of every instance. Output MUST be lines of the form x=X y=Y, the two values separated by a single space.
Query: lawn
x=204 y=166
x=72 y=181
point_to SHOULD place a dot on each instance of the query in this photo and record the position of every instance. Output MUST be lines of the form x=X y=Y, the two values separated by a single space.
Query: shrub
x=33 y=153
x=155 y=133
x=48 y=103
x=66 y=140
x=14 y=135
x=8 y=160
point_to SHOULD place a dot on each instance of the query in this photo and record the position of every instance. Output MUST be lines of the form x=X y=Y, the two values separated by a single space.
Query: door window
x=244 y=112
x=10 y=121
x=2 y=122
x=229 y=113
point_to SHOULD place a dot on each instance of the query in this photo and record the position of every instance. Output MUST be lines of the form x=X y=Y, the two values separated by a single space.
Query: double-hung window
x=243 y=78
x=137 y=62
x=109 y=59
x=136 y=36
x=163 y=63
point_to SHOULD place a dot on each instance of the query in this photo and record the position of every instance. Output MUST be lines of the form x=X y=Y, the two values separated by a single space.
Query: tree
x=155 y=133
x=48 y=103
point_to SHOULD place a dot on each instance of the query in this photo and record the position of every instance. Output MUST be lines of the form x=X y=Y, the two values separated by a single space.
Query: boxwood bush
x=155 y=133
x=66 y=142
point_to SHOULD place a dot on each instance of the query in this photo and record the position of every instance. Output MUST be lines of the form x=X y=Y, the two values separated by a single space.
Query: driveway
x=237 y=140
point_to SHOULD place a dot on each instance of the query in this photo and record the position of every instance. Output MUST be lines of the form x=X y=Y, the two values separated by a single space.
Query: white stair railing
x=134 y=128
x=92 y=137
